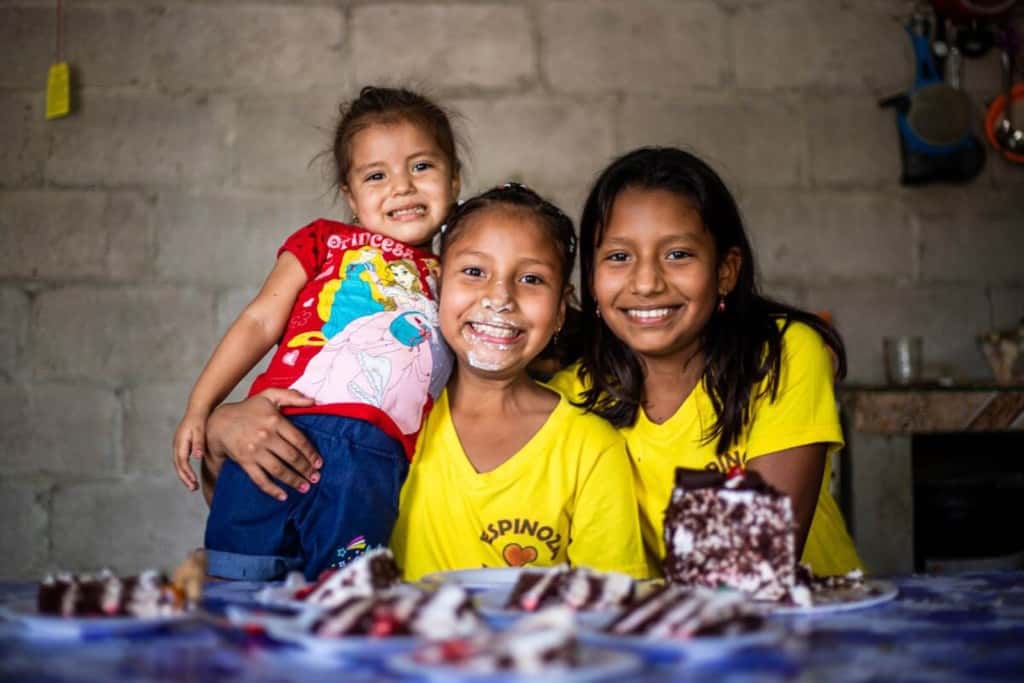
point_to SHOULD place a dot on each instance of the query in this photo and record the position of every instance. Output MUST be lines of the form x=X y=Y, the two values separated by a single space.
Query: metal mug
x=903 y=359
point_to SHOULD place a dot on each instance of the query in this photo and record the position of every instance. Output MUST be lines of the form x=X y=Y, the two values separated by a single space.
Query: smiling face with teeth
x=502 y=291
x=657 y=276
x=400 y=183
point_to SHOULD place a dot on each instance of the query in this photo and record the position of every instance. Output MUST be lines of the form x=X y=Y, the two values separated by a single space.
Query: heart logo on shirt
x=516 y=555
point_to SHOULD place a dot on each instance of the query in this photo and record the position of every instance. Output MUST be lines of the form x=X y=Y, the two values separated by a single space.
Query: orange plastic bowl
x=995 y=115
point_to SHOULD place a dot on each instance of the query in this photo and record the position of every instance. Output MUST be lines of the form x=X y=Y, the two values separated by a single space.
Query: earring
x=355 y=219
x=597 y=311
x=721 y=304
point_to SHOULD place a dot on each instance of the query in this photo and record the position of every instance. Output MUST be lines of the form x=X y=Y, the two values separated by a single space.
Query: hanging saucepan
x=934 y=121
x=937 y=118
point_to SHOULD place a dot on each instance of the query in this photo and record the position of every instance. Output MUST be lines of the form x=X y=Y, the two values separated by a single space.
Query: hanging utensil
x=58 y=80
x=934 y=120
x=940 y=43
x=975 y=21
x=938 y=120
x=1008 y=138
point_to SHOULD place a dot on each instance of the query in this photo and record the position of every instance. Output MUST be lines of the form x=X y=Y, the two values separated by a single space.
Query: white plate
x=599 y=665
x=700 y=647
x=242 y=616
x=27 y=614
x=295 y=630
x=478 y=579
x=492 y=606
x=280 y=596
x=874 y=592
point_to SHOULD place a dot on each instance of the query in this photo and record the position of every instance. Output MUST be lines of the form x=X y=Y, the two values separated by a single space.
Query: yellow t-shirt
x=804 y=412
x=566 y=496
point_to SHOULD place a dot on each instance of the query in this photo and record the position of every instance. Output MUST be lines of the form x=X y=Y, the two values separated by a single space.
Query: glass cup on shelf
x=903 y=359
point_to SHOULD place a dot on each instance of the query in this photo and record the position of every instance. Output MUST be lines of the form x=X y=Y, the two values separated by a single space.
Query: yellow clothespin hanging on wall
x=58 y=83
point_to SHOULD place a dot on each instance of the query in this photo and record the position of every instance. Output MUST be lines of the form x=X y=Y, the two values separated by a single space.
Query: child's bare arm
x=250 y=336
x=796 y=472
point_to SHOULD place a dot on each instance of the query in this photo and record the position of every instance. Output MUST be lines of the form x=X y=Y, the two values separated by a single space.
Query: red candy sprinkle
x=253 y=629
x=455 y=650
x=735 y=471
x=384 y=624
x=303 y=593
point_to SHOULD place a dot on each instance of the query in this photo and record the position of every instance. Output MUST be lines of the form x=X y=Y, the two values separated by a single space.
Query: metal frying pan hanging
x=938 y=118
x=934 y=121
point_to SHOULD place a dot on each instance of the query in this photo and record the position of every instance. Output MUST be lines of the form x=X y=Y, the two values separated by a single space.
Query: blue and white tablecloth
x=939 y=628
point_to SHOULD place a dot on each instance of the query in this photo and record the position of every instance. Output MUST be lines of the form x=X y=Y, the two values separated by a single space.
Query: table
x=939 y=628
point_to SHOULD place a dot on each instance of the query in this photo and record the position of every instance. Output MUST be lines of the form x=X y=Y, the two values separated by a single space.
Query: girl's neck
x=495 y=418
x=469 y=393
x=669 y=381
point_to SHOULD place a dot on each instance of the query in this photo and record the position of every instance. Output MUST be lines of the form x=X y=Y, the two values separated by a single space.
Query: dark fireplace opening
x=968 y=501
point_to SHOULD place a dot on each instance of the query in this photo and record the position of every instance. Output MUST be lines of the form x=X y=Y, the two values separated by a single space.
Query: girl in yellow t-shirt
x=508 y=472
x=689 y=361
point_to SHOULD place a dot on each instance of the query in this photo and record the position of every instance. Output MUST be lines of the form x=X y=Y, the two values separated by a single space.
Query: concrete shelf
x=927 y=409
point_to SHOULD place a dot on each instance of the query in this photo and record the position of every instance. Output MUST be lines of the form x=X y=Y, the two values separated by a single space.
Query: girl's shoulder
x=568 y=382
x=806 y=358
x=318 y=231
x=576 y=424
x=802 y=344
x=343 y=237
x=328 y=225
x=799 y=335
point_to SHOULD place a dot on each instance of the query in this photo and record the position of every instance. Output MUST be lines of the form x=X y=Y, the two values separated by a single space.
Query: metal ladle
x=1009 y=137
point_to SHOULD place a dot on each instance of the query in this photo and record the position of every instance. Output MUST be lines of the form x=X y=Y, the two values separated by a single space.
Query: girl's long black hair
x=742 y=345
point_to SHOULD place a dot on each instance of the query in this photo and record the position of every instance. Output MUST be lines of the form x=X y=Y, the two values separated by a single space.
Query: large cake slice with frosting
x=371 y=573
x=445 y=613
x=543 y=642
x=735 y=531
x=577 y=587
x=681 y=612
x=150 y=594
x=105 y=594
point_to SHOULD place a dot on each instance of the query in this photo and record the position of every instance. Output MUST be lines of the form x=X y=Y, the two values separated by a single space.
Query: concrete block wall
x=133 y=231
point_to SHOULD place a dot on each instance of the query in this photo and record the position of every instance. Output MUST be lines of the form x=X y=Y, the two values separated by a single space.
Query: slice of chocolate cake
x=370 y=573
x=535 y=644
x=682 y=612
x=579 y=588
x=734 y=531
x=445 y=613
x=150 y=594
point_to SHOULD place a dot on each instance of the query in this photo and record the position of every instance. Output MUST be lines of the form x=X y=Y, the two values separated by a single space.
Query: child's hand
x=189 y=441
x=265 y=444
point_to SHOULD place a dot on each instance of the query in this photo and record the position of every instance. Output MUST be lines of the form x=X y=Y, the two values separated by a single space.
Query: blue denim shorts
x=353 y=507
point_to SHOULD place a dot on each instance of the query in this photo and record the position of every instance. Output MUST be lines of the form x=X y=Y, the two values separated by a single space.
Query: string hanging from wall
x=58 y=82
